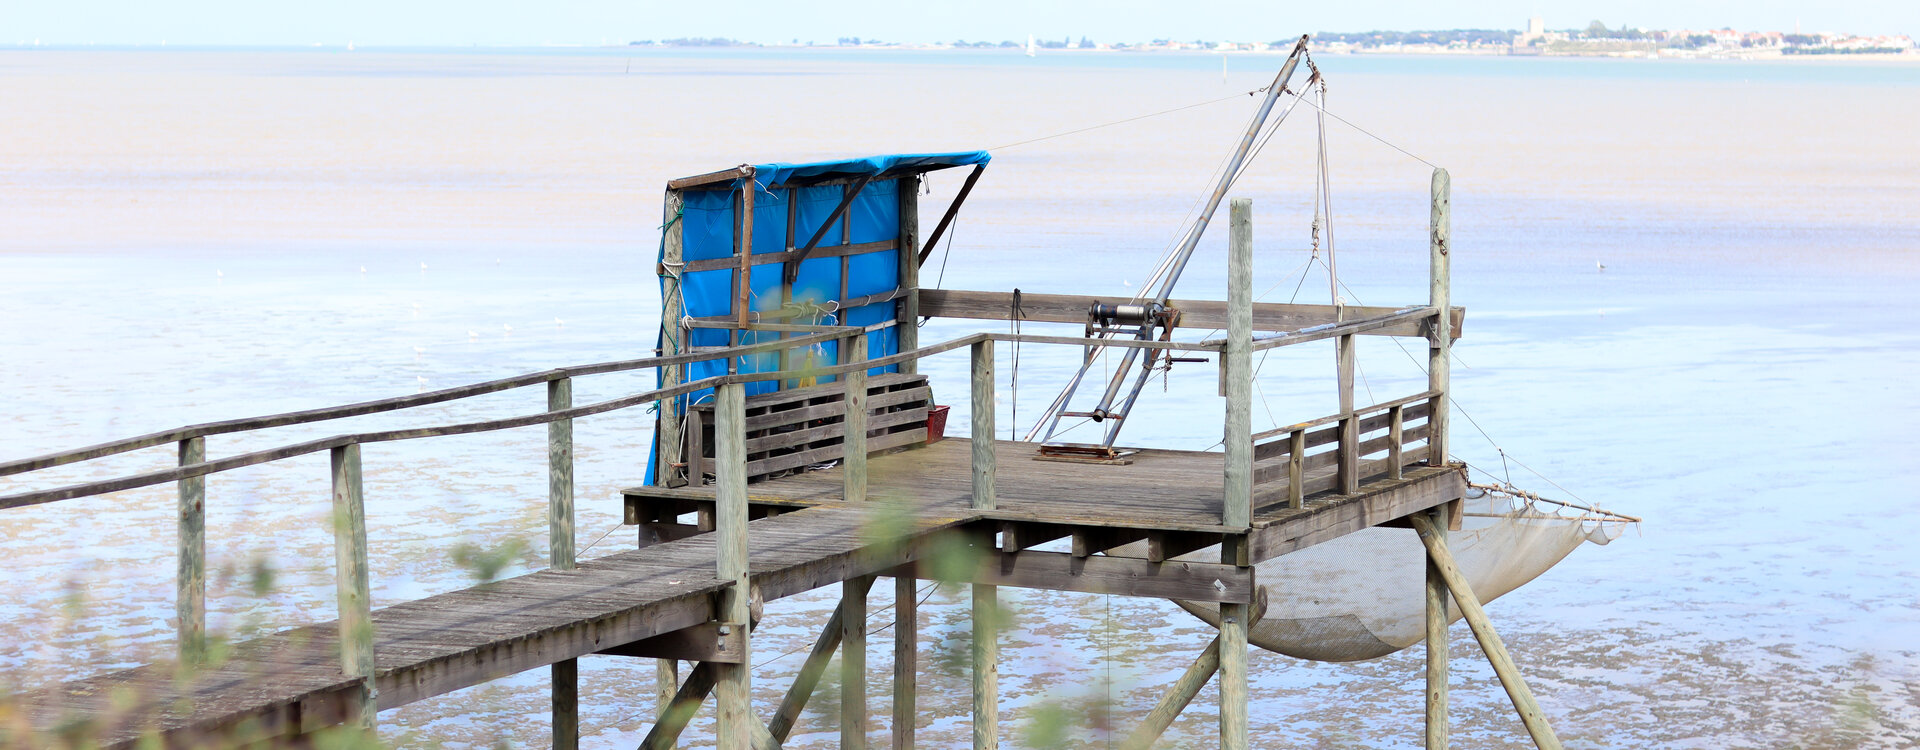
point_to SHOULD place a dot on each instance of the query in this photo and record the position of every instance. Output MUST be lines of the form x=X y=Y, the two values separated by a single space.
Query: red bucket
x=936 y=424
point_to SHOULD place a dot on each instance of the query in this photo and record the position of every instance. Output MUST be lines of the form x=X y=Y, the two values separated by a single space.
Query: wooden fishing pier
x=826 y=476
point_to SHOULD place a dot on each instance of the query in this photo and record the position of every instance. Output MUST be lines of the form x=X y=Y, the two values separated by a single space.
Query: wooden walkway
x=291 y=682
x=804 y=537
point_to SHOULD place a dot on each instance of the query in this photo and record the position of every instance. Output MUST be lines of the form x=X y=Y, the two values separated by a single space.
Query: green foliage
x=485 y=564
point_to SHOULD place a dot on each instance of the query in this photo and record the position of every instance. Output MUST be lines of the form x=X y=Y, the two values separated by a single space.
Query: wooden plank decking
x=1160 y=491
x=291 y=681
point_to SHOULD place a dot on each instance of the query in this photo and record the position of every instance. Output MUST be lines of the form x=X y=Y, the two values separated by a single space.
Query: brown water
x=185 y=233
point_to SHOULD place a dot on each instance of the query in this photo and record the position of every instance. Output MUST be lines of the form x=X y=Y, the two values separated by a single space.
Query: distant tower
x=1536 y=26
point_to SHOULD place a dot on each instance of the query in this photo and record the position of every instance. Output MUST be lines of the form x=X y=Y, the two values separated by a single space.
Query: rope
x=1014 y=315
x=1369 y=134
x=1254 y=92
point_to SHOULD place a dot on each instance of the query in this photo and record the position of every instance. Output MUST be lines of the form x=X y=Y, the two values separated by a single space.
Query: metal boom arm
x=1176 y=264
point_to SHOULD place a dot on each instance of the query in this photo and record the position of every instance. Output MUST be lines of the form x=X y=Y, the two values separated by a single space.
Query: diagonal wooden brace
x=1503 y=666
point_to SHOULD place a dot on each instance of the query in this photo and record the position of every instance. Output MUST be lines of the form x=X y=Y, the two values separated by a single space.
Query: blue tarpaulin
x=708 y=222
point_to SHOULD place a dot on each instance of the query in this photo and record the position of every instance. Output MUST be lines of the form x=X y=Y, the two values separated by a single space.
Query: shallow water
x=186 y=233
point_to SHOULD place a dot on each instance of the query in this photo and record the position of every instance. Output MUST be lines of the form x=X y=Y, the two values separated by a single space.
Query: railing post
x=1441 y=342
x=560 y=554
x=350 y=578
x=853 y=440
x=734 y=681
x=190 y=603
x=984 y=468
x=1297 y=469
x=1396 y=432
x=1237 y=362
x=1349 y=468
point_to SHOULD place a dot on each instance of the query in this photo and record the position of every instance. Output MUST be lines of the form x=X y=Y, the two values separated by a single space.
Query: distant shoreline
x=1909 y=58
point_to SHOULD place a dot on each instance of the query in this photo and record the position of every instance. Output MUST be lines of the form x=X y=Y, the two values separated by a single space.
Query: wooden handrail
x=1332 y=418
x=269 y=455
x=393 y=404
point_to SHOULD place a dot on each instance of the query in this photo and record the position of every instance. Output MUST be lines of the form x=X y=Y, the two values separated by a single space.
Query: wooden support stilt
x=986 y=666
x=906 y=658
x=1237 y=363
x=1233 y=676
x=908 y=310
x=853 y=662
x=809 y=678
x=853 y=441
x=733 y=682
x=1437 y=619
x=1441 y=343
x=566 y=704
x=560 y=554
x=351 y=586
x=984 y=457
x=190 y=603
x=1496 y=650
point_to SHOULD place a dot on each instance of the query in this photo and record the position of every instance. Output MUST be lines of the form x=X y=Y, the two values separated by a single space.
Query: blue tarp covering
x=707 y=226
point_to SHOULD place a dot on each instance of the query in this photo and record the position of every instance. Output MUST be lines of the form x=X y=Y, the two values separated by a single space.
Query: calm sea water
x=194 y=235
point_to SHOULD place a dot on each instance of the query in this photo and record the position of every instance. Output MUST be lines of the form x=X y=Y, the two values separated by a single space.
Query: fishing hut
x=797 y=446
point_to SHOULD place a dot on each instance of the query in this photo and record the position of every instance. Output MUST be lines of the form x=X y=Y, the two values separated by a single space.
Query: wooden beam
x=680 y=710
x=1178 y=696
x=847 y=196
x=1437 y=619
x=1496 y=650
x=743 y=278
x=785 y=256
x=1016 y=536
x=808 y=678
x=1092 y=540
x=953 y=209
x=1103 y=574
x=724 y=175
x=1422 y=489
x=667 y=436
x=703 y=642
x=906 y=659
x=190 y=581
x=1441 y=336
x=1201 y=314
x=1166 y=545
x=907 y=312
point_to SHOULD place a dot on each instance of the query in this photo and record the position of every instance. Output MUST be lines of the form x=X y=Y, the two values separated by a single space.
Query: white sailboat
x=1030 y=45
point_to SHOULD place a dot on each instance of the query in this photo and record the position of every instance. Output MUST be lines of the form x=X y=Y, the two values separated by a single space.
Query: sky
x=507 y=22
